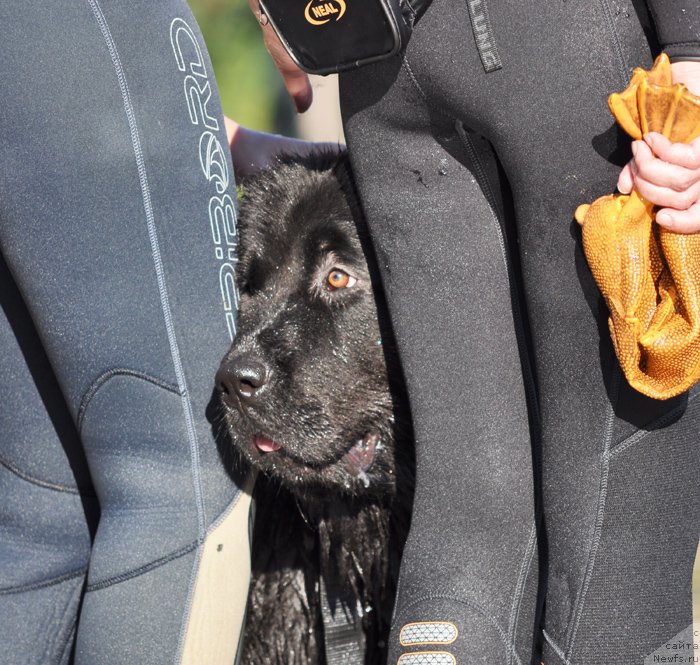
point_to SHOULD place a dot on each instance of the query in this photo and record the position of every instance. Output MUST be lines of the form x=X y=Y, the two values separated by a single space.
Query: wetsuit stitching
x=485 y=185
x=66 y=643
x=652 y=427
x=142 y=570
x=683 y=43
x=111 y=373
x=157 y=260
x=555 y=648
x=43 y=585
x=412 y=76
x=520 y=588
x=45 y=484
x=226 y=511
x=426 y=101
x=616 y=39
x=429 y=105
x=602 y=496
x=510 y=648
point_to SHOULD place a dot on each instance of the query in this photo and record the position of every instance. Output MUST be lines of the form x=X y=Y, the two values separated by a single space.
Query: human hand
x=295 y=80
x=252 y=151
x=668 y=174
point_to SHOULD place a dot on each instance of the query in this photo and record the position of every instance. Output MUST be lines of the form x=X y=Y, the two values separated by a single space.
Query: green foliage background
x=251 y=88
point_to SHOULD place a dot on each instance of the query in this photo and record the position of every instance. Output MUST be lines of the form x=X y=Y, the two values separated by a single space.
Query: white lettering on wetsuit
x=213 y=160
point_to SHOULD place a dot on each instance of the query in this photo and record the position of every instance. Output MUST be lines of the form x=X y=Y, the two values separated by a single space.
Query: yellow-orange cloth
x=649 y=276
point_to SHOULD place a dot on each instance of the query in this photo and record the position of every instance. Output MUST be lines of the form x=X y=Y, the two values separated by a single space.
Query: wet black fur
x=332 y=382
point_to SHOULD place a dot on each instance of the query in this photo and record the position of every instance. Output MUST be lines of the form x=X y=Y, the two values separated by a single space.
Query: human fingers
x=661 y=171
x=681 y=213
x=664 y=196
x=680 y=221
x=686 y=155
x=681 y=196
x=295 y=80
x=625 y=181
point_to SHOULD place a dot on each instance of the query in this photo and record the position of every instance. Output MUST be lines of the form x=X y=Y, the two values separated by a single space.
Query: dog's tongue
x=265 y=445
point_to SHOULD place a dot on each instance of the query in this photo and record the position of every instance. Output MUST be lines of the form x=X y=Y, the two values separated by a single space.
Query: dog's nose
x=242 y=376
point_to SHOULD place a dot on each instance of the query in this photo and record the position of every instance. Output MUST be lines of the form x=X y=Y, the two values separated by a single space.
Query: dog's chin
x=359 y=470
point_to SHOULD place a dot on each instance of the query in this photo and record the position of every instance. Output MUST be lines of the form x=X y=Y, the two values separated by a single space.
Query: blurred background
x=252 y=91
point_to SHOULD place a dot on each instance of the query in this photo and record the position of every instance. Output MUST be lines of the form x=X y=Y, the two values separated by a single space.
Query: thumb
x=625 y=181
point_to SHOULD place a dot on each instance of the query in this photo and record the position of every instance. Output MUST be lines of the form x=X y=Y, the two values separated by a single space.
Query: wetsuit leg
x=48 y=506
x=619 y=484
x=469 y=575
x=117 y=224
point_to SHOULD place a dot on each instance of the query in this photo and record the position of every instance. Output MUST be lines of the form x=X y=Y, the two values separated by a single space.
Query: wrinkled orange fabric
x=649 y=276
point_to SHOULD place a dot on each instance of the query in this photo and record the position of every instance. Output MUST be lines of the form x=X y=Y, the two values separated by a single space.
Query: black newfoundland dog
x=313 y=400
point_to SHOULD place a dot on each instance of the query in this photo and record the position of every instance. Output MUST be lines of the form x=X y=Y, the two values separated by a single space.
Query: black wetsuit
x=471 y=154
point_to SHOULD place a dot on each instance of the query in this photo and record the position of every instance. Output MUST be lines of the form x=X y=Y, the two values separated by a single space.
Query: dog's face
x=305 y=385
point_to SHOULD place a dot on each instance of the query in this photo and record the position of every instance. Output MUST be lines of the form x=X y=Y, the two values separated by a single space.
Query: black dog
x=312 y=402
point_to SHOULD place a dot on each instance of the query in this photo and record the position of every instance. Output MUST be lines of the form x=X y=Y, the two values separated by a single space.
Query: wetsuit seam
x=557 y=650
x=517 y=307
x=510 y=648
x=142 y=570
x=696 y=43
x=600 y=513
x=157 y=260
x=66 y=642
x=44 y=484
x=657 y=424
x=35 y=586
x=225 y=512
x=101 y=380
x=519 y=590
x=616 y=40
x=428 y=104
x=413 y=79
x=485 y=186
x=70 y=633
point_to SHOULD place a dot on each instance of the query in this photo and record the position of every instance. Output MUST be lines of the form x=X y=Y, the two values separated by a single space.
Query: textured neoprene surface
x=619 y=471
x=676 y=24
x=112 y=327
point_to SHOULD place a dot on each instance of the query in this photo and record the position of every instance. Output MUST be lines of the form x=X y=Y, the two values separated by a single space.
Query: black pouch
x=327 y=36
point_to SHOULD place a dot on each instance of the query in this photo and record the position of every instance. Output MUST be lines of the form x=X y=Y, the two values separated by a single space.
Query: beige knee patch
x=220 y=593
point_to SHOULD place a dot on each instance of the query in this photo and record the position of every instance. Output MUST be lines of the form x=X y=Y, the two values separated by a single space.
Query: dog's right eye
x=339 y=279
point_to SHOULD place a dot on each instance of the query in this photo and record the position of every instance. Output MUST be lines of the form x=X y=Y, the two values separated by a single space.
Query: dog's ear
x=241 y=226
x=319 y=159
x=343 y=172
